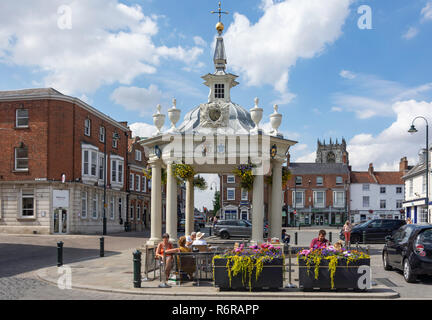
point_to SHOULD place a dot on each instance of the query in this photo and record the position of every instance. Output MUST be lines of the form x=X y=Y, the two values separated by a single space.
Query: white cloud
x=199 y=41
x=410 y=33
x=143 y=130
x=265 y=51
x=368 y=96
x=387 y=148
x=113 y=45
x=426 y=12
x=144 y=100
x=336 y=109
x=347 y=74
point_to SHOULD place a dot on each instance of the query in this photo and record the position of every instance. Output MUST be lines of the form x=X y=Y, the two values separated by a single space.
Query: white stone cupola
x=220 y=82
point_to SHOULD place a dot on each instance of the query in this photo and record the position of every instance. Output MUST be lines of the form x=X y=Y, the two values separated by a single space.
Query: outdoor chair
x=186 y=267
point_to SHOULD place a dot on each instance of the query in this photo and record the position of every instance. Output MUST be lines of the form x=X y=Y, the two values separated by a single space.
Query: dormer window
x=219 y=91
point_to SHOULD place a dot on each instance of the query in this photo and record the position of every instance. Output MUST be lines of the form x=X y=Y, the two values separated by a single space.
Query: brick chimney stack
x=371 y=168
x=403 y=165
x=125 y=123
x=288 y=159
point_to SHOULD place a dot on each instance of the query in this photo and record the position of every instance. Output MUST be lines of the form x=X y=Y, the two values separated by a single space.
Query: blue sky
x=330 y=78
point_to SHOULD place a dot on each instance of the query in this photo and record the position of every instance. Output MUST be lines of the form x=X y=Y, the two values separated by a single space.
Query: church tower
x=333 y=152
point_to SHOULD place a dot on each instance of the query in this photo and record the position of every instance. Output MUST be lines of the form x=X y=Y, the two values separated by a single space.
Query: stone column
x=171 y=204
x=269 y=205
x=189 y=210
x=258 y=210
x=156 y=204
x=276 y=199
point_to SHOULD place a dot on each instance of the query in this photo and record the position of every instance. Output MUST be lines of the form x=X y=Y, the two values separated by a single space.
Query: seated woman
x=166 y=247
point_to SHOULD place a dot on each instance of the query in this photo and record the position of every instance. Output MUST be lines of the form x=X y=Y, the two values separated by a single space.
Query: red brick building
x=52 y=176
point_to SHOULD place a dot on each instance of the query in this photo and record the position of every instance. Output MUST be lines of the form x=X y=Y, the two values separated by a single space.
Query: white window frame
x=219 y=91
x=399 y=204
x=233 y=193
x=423 y=184
x=87 y=127
x=16 y=160
x=368 y=202
x=101 y=167
x=102 y=134
x=337 y=204
x=95 y=206
x=84 y=204
x=295 y=203
x=383 y=201
x=138 y=214
x=144 y=184
x=132 y=212
x=299 y=179
x=401 y=190
x=381 y=190
x=320 y=183
x=366 y=187
x=131 y=181
x=339 y=178
x=230 y=179
x=137 y=183
x=411 y=187
x=244 y=195
x=138 y=155
x=315 y=198
x=113 y=170
x=27 y=194
x=17 y=118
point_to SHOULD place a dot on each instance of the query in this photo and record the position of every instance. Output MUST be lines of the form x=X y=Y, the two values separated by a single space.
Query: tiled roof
x=318 y=168
x=361 y=177
x=382 y=177
x=394 y=177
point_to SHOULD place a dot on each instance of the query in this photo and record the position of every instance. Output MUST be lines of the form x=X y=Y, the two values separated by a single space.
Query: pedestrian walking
x=347 y=228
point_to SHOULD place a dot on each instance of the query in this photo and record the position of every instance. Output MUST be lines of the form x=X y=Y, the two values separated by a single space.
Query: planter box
x=271 y=276
x=344 y=278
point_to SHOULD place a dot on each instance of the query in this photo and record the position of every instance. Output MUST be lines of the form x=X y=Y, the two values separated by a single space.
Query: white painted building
x=377 y=194
x=415 y=195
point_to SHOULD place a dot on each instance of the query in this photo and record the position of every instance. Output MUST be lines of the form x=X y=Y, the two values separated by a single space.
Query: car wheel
x=407 y=272
x=224 y=235
x=385 y=262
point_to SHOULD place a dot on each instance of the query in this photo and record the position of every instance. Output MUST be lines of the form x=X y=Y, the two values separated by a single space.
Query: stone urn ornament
x=275 y=120
x=158 y=120
x=256 y=116
x=174 y=116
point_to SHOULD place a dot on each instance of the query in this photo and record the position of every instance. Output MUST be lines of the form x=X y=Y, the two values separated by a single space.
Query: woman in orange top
x=166 y=246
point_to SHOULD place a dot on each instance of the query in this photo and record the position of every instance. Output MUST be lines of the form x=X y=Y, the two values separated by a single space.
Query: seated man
x=190 y=239
x=320 y=242
x=199 y=243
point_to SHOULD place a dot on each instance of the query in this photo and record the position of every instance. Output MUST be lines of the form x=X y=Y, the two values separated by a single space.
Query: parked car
x=235 y=228
x=376 y=230
x=181 y=225
x=409 y=249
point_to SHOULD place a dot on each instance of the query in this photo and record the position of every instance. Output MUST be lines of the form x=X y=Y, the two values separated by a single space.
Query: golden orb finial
x=220 y=27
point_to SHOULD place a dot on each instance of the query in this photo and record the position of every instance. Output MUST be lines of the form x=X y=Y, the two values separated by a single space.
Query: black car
x=181 y=225
x=375 y=230
x=409 y=249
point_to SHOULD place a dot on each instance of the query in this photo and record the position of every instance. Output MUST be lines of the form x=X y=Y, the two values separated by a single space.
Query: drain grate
x=387 y=282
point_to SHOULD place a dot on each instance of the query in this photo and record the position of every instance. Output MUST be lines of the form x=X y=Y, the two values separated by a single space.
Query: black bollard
x=59 y=254
x=102 y=247
x=364 y=237
x=295 y=238
x=137 y=269
x=330 y=237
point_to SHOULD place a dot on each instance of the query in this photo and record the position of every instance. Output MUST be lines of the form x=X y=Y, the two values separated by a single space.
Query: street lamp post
x=414 y=130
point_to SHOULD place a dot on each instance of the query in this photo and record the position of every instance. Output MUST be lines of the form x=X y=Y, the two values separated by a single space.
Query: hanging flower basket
x=200 y=183
x=183 y=171
x=244 y=172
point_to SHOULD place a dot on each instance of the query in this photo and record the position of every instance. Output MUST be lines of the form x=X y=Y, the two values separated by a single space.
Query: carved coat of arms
x=214 y=115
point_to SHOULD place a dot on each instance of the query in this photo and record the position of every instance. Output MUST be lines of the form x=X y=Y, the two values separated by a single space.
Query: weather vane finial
x=220 y=27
